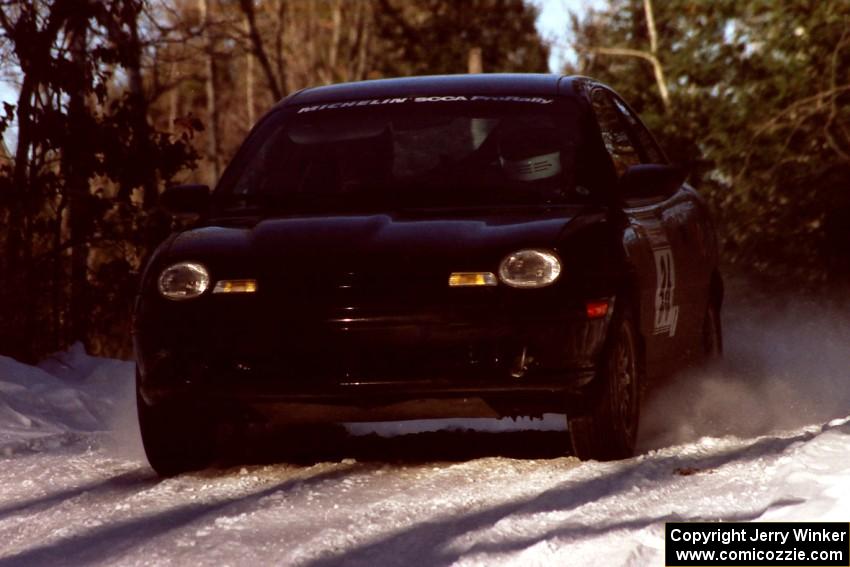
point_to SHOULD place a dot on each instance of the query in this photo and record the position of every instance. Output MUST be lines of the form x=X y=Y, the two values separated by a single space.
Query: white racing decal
x=420 y=99
x=666 y=314
x=483 y=98
x=352 y=103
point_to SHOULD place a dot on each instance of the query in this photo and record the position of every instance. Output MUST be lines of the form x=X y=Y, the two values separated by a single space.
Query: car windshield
x=407 y=152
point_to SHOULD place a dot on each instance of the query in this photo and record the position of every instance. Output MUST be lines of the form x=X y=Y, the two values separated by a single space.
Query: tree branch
x=258 y=48
x=658 y=71
x=833 y=106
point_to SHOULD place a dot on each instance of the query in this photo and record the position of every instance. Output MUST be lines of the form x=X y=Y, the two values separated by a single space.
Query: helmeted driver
x=530 y=153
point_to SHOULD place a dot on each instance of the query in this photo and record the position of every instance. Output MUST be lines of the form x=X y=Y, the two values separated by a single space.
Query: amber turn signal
x=235 y=286
x=472 y=279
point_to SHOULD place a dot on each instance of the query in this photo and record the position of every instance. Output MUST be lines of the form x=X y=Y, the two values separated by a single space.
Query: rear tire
x=609 y=430
x=176 y=438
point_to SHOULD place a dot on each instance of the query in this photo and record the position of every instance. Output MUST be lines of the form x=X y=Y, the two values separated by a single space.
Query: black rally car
x=483 y=245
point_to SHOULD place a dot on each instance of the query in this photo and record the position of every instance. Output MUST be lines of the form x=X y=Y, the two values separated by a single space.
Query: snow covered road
x=762 y=437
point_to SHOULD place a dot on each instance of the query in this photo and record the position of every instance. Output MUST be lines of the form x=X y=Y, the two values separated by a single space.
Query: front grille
x=340 y=362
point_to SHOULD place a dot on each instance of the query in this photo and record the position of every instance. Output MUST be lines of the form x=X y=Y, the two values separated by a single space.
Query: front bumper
x=437 y=360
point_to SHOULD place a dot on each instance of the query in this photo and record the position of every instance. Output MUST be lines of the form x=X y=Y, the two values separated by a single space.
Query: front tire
x=608 y=431
x=176 y=438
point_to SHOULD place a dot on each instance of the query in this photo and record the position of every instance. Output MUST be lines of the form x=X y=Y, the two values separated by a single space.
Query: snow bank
x=68 y=395
x=817 y=475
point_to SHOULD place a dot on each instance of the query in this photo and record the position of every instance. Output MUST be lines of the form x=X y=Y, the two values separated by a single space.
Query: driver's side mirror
x=191 y=199
x=651 y=180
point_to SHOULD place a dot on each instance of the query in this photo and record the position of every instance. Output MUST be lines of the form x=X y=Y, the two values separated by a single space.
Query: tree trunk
x=474 y=63
x=19 y=217
x=283 y=20
x=363 y=40
x=173 y=100
x=77 y=186
x=141 y=128
x=310 y=44
x=213 y=137
x=249 y=80
x=19 y=340
x=657 y=70
x=58 y=283
x=336 y=35
x=259 y=49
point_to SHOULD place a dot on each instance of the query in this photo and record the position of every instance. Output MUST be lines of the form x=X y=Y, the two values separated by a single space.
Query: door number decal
x=666 y=314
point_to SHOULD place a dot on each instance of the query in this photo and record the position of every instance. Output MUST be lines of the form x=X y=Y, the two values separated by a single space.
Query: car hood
x=393 y=237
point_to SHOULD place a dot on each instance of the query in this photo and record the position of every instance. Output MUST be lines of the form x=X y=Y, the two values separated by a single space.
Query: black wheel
x=712 y=333
x=608 y=431
x=176 y=438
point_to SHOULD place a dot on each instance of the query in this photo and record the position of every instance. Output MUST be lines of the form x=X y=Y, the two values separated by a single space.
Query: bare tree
x=259 y=50
x=213 y=136
x=74 y=166
x=249 y=80
x=650 y=56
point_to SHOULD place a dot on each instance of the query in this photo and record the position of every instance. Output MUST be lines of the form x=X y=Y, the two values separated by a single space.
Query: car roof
x=529 y=84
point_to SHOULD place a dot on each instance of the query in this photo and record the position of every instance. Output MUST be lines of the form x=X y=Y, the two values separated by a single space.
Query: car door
x=685 y=218
x=656 y=239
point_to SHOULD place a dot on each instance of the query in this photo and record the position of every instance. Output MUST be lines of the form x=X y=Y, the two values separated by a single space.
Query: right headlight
x=530 y=268
x=184 y=280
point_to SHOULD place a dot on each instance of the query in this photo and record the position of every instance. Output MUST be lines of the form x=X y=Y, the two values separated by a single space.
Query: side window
x=614 y=134
x=649 y=150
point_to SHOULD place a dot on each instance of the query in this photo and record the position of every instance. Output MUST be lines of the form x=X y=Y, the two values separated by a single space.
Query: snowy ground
x=764 y=436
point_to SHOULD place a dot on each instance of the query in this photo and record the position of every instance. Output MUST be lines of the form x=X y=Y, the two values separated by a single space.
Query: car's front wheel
x=608 y=430
x=176 y=439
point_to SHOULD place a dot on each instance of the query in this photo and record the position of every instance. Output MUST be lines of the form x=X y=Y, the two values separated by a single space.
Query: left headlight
x=530 y=268
x=184 y=280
